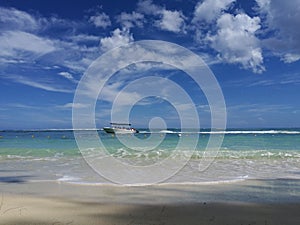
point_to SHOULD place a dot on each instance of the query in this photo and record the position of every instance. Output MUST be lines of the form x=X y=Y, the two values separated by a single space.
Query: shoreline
x=281 y=190
x=249 y=202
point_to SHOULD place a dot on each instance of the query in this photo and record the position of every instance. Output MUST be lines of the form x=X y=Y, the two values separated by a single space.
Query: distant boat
x=120 y=128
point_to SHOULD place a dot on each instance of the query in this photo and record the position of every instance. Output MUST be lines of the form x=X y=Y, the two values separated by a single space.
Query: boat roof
x=123 y=124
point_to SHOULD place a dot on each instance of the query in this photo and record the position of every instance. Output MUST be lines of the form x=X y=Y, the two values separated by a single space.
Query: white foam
x=67 y=178
x=58 y=154
x=167 y=132
x=18 y=157
x=225 y=132
x=73 y=180
x=251 y=132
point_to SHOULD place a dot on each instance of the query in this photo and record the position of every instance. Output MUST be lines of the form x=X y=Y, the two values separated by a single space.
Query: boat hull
x=112 y=130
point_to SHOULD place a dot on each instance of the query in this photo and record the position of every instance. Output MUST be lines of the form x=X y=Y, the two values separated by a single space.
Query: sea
x=58 y=155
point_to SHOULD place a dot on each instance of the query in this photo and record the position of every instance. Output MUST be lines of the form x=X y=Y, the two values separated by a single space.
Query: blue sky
x=252 y=47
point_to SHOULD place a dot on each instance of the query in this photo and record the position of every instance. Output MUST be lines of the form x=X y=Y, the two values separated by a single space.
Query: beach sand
x=32 y=210
x=61 y=203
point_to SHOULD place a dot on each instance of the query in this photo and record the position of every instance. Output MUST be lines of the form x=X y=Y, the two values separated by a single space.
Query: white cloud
x=111 y=91
x=68 y=76
x=72 y=105
x=132 y=73
x=290 y=57
x=118 y=38
x=75 y=51
x=210 y=10
x=101 y=20
x=171 y=21
x=22 y=106
x=11 y=18
x=78 y=63
x=285 y=79
x=22 y=47
x=14 y=42
x=282 y=19
x=47 y=86
x=236 y=42
x=83 y=38
x=147 y=7
x=130 y=20
x=143 y=67
x=263 y=4
x=32 y=42
x=22 y=40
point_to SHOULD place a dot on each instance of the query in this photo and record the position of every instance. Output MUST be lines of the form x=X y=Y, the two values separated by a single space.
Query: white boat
x=120 y=128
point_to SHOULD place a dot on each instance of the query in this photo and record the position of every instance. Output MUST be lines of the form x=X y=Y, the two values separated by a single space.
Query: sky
x=252 y=47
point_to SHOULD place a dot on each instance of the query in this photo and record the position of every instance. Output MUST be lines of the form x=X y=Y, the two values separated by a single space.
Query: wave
x=67 y=178
x=251 y=132
x=176 y=131
x=79 y=181
x=168 y=132
x=19 y=157
x=257 y=154
x=222 y=132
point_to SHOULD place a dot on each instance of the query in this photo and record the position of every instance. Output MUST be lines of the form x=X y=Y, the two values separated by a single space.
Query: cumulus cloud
x=100 y=20
x=234 y=36
x=147 y=7
x=130 y=20
x=235 y=41
x=282 y=19
x=118 y=38
x=171 y=21
x=210 y=10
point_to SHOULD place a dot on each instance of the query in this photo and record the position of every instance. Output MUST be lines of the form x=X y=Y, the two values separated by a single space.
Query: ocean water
x=43 y=155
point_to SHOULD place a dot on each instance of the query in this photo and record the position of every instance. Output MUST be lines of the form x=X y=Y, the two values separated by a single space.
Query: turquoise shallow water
x=244 y=154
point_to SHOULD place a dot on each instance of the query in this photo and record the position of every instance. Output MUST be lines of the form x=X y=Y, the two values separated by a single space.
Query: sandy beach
x=62 y=203
x=18 y=209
